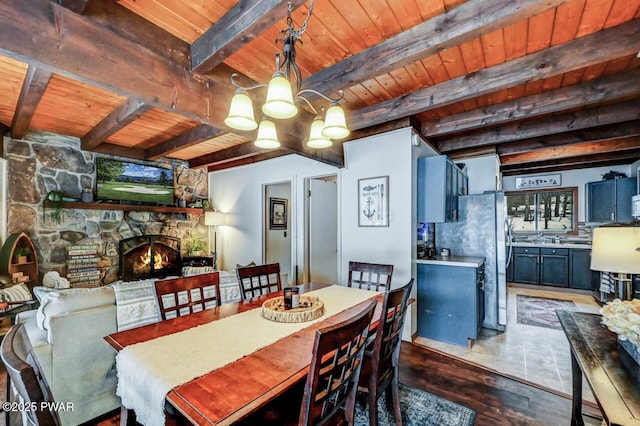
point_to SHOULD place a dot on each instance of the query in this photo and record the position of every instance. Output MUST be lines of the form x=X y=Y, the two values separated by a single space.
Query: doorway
x=321 y=257
x=277 y=227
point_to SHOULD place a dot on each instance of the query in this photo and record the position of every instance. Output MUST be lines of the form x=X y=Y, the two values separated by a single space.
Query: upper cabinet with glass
x=552 y=211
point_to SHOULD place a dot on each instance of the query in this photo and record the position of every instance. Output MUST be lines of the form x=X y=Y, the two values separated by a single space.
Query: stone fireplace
x=149 y=256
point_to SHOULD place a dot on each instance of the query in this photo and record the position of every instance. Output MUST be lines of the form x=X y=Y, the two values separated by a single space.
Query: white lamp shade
x=335 y=123
x=316 y=140
x=267 y=135
x=616 y=249
x=241 y=112
x=215 y=218
x=279 y=103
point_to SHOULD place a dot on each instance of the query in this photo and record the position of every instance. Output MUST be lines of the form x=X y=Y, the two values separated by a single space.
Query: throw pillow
x=15 y=293
x=71 y=300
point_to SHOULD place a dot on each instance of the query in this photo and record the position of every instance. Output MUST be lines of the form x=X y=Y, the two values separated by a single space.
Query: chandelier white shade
x=279 y=103
x=335 y=123
x=241 y=112
x=267 y=135
x=281 y=98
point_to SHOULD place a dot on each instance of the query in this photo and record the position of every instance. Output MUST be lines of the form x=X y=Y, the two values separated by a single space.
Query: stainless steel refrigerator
x=481 y=231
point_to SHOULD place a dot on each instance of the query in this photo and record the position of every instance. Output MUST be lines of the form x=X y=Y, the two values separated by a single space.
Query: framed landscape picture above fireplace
x=133 y=183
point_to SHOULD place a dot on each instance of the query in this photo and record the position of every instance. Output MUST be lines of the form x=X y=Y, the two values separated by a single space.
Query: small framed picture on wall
x=373 y=201
x=277 y=213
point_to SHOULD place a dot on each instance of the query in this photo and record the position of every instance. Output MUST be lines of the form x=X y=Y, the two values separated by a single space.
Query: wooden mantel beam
x=580 y=95
x=246 y=20
x=582 y=52
x=560 y=123
x=130 y=110
x=33 y=87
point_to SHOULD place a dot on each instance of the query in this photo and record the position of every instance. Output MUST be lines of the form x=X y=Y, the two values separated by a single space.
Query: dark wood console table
x=612 y=375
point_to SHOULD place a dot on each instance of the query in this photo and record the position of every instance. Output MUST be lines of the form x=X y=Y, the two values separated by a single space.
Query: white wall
x=238 y=192
x=483 y=173
x=576 y=178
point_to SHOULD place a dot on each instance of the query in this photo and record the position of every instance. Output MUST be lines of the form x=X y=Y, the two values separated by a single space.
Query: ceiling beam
x=560 y=167
x=35 y=83
x=629 y=154
x=246 y=160
x=236 y=151
x=579 y=149
x=582 y=52
x=601 y=133
x=125 y=114
x=120 y=151
x=76 y=6
x=454 y=27
x=389 y=126
x=43 y=33
x=560 y=123
x=243 y=23
x=185 y=140
x=604 y=89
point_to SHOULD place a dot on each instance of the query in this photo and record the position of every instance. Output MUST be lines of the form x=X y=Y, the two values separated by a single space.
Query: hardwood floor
x=497 y=400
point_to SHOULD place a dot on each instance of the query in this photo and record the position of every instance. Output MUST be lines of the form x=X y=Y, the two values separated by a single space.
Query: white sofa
x=67 y=332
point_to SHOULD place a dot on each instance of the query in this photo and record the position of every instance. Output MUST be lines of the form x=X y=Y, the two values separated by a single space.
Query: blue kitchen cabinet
x=582 y=276
x=610 y=200
x=450 y=302
x=440 y=182
x=525 y=265
x=554 y=267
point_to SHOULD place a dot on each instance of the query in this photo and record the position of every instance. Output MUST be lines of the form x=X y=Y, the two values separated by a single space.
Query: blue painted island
x=450 y=298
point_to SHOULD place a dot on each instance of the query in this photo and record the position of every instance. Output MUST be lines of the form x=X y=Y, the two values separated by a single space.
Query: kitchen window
x=550 y=211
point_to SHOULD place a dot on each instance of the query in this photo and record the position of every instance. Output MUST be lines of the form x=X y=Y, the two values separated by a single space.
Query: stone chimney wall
x=43 y=162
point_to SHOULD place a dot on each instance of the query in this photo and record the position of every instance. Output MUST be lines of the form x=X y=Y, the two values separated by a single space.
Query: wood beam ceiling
x=246 y=160
x=190 y=138
x=33 y=87
x=130 y=110
x=604 y=45
x=604 y=89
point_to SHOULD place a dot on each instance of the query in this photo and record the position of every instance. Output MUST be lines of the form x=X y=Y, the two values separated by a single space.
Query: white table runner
x=147 y=371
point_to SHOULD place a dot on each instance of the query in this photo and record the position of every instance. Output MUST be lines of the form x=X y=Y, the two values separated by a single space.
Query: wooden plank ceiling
x=546 y=84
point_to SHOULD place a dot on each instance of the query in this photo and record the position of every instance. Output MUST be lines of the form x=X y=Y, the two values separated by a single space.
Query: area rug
x=541 y=312
x=419 y=408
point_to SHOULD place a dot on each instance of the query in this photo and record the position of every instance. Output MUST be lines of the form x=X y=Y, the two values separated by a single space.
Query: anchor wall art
x=373 y=201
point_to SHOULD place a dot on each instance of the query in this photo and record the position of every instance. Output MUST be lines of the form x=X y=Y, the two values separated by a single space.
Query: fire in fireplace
x=149 y=256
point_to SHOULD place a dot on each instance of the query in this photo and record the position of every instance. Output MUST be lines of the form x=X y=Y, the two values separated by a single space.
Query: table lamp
x=213 y=218
x=616 y=249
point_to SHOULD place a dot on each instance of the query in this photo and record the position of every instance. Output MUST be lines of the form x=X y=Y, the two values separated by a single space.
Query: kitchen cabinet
x=525 y=265
x=554 y=267
x=440 y=182
x=558 y=267
x=450 y=302
x=610 y=200
x=582 y=276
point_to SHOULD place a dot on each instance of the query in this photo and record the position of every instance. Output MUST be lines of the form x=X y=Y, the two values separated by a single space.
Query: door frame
x=292 y=226
x=307 y=229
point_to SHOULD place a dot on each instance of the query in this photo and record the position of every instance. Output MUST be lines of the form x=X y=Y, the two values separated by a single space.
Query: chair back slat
x=259 y=280
x=330 y=389
x=25 y=376
x=370 y=276
x=183 y=296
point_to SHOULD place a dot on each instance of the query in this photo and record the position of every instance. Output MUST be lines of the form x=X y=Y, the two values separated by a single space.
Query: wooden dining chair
x=26 y=378
x=259 y=280
x=381 y=359
x=332 y=381
x=370 y=276
x=183 y=296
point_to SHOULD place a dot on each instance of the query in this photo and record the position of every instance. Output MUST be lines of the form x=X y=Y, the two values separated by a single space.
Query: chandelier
x=280 y=102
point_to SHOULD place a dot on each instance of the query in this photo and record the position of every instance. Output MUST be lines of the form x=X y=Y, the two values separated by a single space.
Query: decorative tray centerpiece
x=309 y=308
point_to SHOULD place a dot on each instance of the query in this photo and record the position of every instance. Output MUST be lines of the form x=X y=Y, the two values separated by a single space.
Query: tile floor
x=537 y=355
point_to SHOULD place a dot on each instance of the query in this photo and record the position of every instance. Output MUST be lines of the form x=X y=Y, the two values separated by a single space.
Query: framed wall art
x=373 y=201
x=539 y=181
x=277 y=213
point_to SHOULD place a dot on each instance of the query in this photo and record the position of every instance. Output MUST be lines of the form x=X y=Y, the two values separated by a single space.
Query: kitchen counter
x=564 y=244
x=472 y=262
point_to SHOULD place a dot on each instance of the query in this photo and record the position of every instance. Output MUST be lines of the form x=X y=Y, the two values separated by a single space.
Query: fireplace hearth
x=149 y=256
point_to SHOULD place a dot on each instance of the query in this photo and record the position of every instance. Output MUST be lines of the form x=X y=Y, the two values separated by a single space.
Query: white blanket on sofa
x=136 y=304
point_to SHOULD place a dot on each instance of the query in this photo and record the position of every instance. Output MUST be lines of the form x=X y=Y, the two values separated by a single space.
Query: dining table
x=236 y=389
